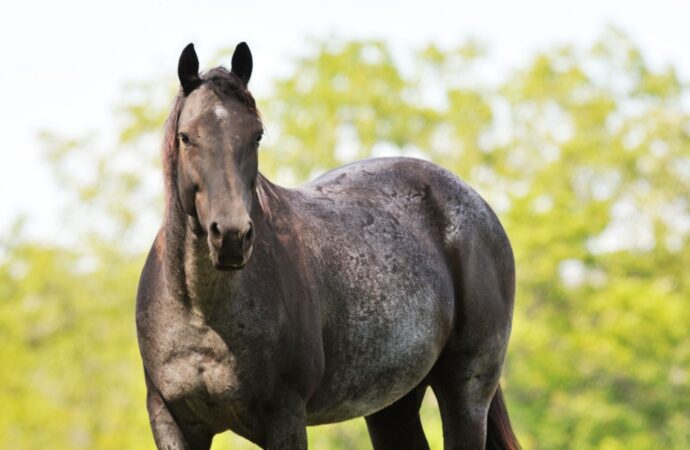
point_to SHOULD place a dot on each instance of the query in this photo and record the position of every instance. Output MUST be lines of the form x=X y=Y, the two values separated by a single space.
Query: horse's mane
x=226 y=85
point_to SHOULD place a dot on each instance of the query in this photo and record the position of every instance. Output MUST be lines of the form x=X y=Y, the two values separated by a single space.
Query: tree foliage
x=584 y=154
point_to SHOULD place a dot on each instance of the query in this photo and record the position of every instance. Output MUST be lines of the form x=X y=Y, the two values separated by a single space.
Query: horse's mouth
x=229 y=267
x=228 y=263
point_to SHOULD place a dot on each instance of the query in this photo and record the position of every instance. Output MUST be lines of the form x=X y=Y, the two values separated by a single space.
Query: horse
x=264 y=310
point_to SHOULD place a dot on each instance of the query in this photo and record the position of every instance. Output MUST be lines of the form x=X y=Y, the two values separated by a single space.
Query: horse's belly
x=377 y=351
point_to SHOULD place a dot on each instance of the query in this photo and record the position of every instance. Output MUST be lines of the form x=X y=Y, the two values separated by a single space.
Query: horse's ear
x=242 y=62
x=188 y=69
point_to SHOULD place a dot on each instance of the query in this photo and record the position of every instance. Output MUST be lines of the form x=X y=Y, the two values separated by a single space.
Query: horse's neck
x=206 y=286
x=190 y=273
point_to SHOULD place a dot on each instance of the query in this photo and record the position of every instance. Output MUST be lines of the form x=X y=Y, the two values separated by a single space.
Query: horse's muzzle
x=230 y=248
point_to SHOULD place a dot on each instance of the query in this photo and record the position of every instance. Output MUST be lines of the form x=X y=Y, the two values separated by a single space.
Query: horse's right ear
x=188 y=69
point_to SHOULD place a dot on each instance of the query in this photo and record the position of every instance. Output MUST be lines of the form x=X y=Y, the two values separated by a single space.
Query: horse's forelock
x=226 y=84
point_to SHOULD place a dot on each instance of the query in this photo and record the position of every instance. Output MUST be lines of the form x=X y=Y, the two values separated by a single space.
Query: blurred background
x=571 y=118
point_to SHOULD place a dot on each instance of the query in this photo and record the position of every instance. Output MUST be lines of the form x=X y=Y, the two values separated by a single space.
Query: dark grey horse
x=263 y=309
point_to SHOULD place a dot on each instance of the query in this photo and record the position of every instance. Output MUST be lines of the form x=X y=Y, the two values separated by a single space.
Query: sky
x=63 y=64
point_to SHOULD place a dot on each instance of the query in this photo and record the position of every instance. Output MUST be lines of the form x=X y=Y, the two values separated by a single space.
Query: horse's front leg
x=167 y=433
x=285 y=423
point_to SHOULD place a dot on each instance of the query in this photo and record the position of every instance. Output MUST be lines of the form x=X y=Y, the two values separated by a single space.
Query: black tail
x=499 y=433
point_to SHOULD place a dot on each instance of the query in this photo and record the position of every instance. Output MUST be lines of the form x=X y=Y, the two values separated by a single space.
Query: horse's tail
x=499 y=433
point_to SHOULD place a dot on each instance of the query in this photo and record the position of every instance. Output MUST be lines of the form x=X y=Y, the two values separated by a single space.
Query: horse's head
x=218 y=130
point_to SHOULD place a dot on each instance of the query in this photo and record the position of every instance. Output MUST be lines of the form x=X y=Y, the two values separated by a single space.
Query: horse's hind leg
x=398 y=426
x=466 y=375
x=464 y=390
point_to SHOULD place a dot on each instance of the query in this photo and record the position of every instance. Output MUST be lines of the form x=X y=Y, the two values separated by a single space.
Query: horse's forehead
x=204 y=104
x=219 y=111
x=200 y=101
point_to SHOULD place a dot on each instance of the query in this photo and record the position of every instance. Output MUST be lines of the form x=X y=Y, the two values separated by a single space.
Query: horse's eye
x=259 y=136
x=184 y=139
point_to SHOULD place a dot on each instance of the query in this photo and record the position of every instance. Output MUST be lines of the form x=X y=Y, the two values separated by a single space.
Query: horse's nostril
x=249 y=234
x=215 y=231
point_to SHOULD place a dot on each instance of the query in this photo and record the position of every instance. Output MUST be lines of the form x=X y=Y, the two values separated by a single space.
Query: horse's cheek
x=187 y=194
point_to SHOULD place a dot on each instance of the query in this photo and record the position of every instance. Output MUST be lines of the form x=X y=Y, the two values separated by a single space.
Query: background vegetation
x=583 y=152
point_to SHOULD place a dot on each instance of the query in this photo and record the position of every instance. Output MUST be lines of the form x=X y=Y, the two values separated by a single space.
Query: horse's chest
x=208 y=376
x=197 y=369
x=202 y=373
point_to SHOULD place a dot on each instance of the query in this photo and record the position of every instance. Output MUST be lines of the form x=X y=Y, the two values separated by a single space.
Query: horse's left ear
x=188 y=69
x=242 y=62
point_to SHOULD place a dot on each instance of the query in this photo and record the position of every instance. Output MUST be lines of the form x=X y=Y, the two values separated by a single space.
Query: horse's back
x=423 y=194
x=381 y=197
x=383 y=236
